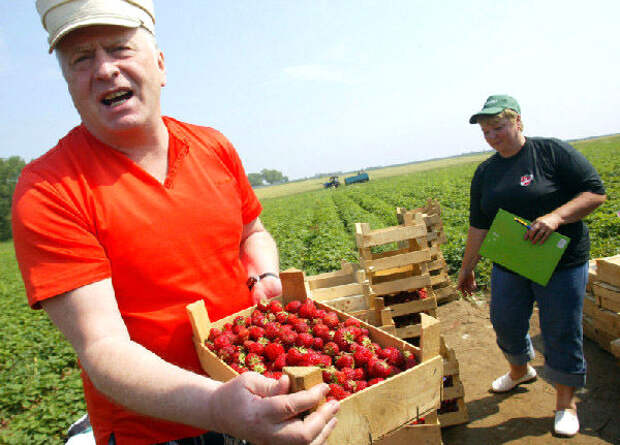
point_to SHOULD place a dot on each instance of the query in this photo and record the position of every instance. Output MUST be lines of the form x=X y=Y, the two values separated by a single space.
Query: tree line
x=10 y=169
x=267 y=176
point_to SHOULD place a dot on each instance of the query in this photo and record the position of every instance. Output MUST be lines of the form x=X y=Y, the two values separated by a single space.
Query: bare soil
x=525 y=415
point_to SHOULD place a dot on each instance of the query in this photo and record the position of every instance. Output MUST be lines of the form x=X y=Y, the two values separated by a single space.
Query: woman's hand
x=467 y=282
x=543 y=227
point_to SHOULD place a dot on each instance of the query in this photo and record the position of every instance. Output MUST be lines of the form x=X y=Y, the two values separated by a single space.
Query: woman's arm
x=467 y=279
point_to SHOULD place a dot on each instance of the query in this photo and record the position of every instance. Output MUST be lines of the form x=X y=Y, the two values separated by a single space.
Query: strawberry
x=293 y=306
x=350 y=386
x=292 y=319
x=239 y=358
x=272 y=330
x=301 y=326
x=359 y=374
x=252 y=359
x=331 y=349
x=363 y=340
x=305 y=340
x=318 y=343
x=349 y=373
x=287 y=336
x=214 y=333
x=273 y=350
x=263 y=305
x=325 y=361
x=239 y=321
x=338 y=392
x=345 y=361
x=329 y=374
x=258 y=367
x=228 y=327
x=321 y=330
x=221 y=341
x=307 y=309
x=393 y=356
x=331 y=320
x=379 y=368
x=362 y=355
x=361 y=385
x=239 y=368
x=275 y=306
x=294 y=357
x=344 y=337
x=422 y=294
x=259 y=320
x=375 y=381
x=282 y=317
x=310 y=358
x=279 y=362
x=226 y=353
x=242 y=334
x=352 y=322
x=256 y=332
x=410 y=360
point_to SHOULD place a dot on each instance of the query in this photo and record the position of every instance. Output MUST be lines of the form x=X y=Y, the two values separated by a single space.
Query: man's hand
x=260 y=410
x=266 y=288
x=543 y=227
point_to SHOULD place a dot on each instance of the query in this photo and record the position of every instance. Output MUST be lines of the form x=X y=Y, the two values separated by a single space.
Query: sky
x=318 y=86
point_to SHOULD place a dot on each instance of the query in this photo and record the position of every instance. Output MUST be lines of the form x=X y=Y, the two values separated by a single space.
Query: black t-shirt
x=545 y=174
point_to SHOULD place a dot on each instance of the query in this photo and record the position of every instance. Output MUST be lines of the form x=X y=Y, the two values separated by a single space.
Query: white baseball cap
x=59 y=17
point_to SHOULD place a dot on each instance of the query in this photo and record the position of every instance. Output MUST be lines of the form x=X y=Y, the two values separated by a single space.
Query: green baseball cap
x=495 y=105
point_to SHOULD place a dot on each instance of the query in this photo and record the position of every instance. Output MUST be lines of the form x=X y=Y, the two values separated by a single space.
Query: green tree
x=10 y=168
x=273 y=176
x=255 y=179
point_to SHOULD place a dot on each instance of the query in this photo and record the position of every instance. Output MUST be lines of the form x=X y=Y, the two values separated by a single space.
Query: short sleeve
x=575 y=172
x=55 y=246
x=251 y=206
x=477 y=218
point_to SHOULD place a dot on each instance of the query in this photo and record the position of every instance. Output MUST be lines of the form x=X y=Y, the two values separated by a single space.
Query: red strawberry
x=352 y=322
x=345 y=361
x=410 y=360
x=293 y=306
x=318 y=343
x=338 y=392
x=350 y=386
x=239 y=358
x=301 y=326
x=279 y=362
x=422 y=294
x=273 y=350
x=322 y=331
x=344 y=337
x=221 y=341
x=331 y=349
x=349 y=373
x=305 y=340
x=362 y=355
x=325 y=361
x=275 y=306
x=252 y=359
x=256 y=332
x=282 y=317
x=311 y=358
x=360 y=374
x=258 y=367
x=393 y=356
x=288 y=336
x=329 y=374
x=307 y=309
x=226 y=353
x=210 y=345
x=239 y=321
x=292 y=319
x=294 y=357
x=237 y=367
x=263 y=305
x=375 y=381
x=361 y=385
x=259 y=320
x=227 y=327
x=272 y=330
x=379 y=368
x=242 y=334
x=331 y=320
x=214 y=333
x=363 y=340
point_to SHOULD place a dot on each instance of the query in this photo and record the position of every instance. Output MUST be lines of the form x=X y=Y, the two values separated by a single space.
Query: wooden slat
x=405 y=284
x=413 y=307
x=607 y=295
x=390 y=235
x=400 y=260
x=608 y=270
x=345 y=290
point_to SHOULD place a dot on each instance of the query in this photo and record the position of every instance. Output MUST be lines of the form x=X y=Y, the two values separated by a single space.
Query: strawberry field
x=41 y=394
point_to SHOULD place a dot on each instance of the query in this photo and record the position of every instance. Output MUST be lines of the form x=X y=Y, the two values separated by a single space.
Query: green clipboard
x=504 y=244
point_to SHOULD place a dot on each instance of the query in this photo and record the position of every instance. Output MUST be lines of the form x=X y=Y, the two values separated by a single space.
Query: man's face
x=114 y=75
x=503 y=136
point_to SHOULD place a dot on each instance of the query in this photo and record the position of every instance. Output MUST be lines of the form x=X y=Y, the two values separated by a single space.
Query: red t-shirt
x=84 y=212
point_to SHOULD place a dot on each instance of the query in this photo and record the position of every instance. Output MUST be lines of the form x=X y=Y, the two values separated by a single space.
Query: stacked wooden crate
x=601 y=307
x=399 y=278
x=441 y=284
x=453 y=410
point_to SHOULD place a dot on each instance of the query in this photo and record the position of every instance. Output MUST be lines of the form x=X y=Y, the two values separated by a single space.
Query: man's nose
x=105 y=65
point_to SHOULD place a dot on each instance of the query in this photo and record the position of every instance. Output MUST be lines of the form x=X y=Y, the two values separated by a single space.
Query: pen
x=523 y=223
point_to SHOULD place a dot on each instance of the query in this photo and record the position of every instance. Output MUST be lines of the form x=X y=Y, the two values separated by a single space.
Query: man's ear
x=162 y=67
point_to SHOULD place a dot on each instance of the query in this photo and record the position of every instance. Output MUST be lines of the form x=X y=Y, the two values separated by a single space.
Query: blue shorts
x=560 y=306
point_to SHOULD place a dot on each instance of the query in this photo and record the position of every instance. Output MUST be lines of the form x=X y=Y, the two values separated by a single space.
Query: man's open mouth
x=116 y=98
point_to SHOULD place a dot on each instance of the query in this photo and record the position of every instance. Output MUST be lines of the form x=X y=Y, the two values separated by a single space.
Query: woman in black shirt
x=548 y=182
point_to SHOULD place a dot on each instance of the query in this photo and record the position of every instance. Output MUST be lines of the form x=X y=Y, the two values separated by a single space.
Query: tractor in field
x=333 y=182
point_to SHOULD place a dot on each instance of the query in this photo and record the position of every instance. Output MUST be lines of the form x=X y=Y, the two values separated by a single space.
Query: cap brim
x=101 y=20
x=486 y=112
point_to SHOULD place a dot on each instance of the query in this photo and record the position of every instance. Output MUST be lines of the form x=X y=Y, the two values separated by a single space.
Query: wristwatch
x=253 y=279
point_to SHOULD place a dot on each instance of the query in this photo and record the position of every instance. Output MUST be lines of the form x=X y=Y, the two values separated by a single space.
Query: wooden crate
x=454 y=414
x=426 y=433
x=608 y=270
x=602 y=318
x=366 y=415
x=607 y=295
x=594 y=333
x=452 y=388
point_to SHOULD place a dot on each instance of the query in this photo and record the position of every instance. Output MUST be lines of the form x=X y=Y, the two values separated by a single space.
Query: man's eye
x=80 y=59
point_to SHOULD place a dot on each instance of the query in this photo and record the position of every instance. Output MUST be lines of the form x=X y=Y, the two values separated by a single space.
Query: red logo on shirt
x=526 y=180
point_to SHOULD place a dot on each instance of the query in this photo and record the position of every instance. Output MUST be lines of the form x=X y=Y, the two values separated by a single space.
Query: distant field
x=40 y=389
x=308 y=185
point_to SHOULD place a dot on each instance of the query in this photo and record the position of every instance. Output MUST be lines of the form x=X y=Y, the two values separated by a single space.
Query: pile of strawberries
x=300 y=334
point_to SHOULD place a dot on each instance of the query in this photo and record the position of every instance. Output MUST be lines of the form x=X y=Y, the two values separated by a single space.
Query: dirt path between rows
x=524 y=416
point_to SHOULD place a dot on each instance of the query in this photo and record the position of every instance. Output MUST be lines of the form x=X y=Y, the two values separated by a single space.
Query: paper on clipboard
x=504 y=244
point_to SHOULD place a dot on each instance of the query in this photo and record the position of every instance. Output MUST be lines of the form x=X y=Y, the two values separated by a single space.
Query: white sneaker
x=505 y=383
x=566 y=423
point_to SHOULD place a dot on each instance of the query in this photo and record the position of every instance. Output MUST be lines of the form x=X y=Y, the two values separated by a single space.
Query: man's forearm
x=138 y=379
x=579 y=207
x=259 y=253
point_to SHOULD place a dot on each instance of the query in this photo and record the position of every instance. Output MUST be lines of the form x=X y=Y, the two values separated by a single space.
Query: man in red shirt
x=132 y=216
